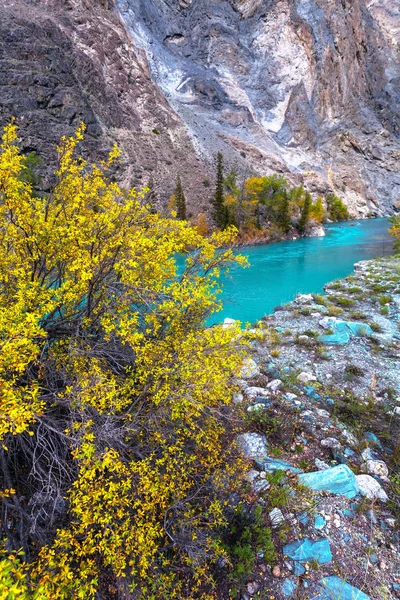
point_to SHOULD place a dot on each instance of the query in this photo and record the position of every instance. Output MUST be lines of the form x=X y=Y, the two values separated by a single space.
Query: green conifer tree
x=283 y=215
x=180 y=200
x=305 y=213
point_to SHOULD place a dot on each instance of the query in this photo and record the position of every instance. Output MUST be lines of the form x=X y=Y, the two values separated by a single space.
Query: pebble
x=274 y=385
x=306 y=377
x=276 y=571
x=276 y=517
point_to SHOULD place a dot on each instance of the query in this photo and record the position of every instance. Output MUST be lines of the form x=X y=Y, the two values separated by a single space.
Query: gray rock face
x=67 y=61
x=308 y=88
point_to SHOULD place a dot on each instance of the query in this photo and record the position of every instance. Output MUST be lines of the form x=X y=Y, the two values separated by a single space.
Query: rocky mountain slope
x=307 y=88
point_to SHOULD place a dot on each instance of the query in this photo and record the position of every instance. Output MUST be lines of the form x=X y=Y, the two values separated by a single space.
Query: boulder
x=336 y=588
x=254 y=445
x=332 y=443
x=370 y=488
x=339 y=480
x=249 y=369
x=306 y=550
x=378 y=468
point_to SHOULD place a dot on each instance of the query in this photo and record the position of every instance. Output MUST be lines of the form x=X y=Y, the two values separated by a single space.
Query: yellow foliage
x=105 y=359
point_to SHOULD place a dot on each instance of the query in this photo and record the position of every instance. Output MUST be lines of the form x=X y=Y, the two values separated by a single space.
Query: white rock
x=321 y=465
x=318 y=231
x=350 y=438
x=336 y=521
x=325 y=322
x=291 y=396
x=370 y=488
x=237 y=398
x=331 y=443
x=254 y=445
x=274 y=385
x=303 y=338
x=378 y=467
x=253 y=391
x=249 y=369
x=251 y=475
x=306 y=377
x=276 y=517
x=304 y=299
x=256 y=407
x=228 y=323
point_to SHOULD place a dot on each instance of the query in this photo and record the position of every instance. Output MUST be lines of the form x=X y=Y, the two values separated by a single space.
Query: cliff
x=306 y=88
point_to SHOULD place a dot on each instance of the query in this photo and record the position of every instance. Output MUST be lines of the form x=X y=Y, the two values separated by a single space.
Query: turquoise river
x=279 y=271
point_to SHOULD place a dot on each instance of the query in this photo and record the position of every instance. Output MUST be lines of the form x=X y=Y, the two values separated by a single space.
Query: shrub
x=343 y=301
x=114 y=448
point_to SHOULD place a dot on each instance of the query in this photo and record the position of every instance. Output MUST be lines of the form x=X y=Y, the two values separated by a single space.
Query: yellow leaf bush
x=116 y=457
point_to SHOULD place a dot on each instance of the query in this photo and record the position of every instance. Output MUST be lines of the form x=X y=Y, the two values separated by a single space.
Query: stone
x=276 y=571
x=337 y=589
x=331 y=443
x=288 y=588
x=338 y=480
x=228 y=323
x=304 y=299
x=249 y=369
x=321 y=465
x=371 y=438
x=237 y=398
x=319 y=522
x=253 y=391
x=370 y=488
x=306 y=377
x=303 y=338
x=255 y=408
x=298 y=569
x=253 y=587
x=318 y=231
x=306 y=550
x=276 y=517
x=254 y=445
x=350 y=438
x=270 y=464
x=274 y=385
x=378 y=468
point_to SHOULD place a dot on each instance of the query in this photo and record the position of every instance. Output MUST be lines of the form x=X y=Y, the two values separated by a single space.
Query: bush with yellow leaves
x=116 y=459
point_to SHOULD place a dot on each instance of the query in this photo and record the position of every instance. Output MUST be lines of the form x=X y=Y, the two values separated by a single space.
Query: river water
x=279 y=271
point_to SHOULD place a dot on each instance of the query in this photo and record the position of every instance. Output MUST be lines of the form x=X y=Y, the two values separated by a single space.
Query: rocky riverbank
x=321 y=406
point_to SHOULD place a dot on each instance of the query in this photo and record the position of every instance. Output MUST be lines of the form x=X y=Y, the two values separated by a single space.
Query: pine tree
x=283 y=215
x=305 y=213
x=180 y=200
x=218 y=200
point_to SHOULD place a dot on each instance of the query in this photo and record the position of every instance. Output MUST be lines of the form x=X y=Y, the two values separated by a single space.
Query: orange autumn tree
x=116 y=462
